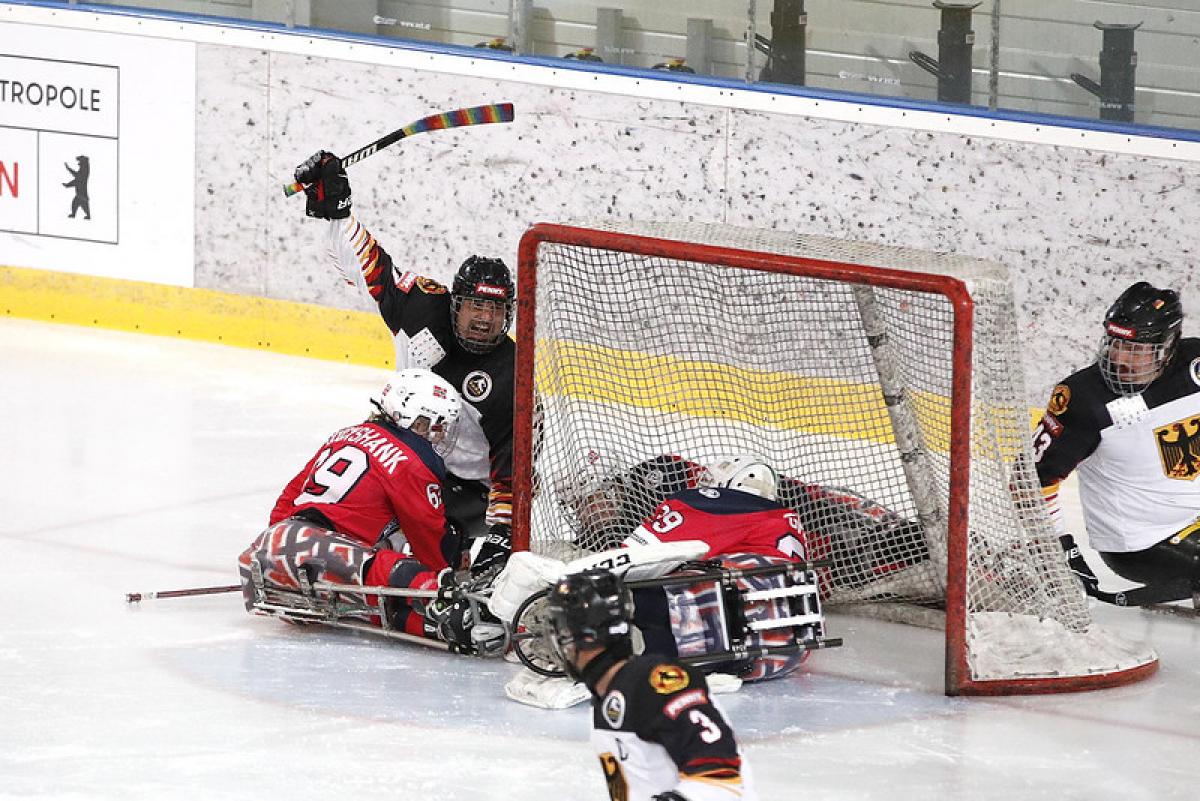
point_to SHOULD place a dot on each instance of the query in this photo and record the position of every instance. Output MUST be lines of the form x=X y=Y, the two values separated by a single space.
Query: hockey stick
x=475 y=115
x=134 y=597
x=1151 y=595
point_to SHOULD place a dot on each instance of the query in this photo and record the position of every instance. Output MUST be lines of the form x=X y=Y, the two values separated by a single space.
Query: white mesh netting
x=646 y=366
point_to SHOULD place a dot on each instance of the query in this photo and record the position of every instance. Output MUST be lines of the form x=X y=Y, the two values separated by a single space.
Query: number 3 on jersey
x=334 y=474
x=709 y=731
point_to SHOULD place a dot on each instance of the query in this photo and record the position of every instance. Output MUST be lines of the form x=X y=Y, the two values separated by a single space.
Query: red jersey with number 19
x=730 y=521
x=368 y=479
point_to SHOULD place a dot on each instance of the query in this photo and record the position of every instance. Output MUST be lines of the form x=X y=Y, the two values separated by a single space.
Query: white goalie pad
x=721 y=683
x=640 y=562
x=527 y=573
x=544 y=692
x=523 y=575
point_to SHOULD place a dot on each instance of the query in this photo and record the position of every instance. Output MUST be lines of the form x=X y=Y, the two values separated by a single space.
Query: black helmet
x=1141 y=330
x=652 y=481
x=482 y=279
x=591 y=609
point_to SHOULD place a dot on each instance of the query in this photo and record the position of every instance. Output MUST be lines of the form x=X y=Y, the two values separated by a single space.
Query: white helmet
x=413 y=395
x=745 y=473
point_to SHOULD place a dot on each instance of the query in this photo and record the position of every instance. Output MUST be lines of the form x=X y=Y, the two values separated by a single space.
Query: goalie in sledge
x=877 y=551
x=719 y=578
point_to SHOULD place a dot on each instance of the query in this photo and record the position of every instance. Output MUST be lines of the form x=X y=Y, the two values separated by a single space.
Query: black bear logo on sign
x=79 y=181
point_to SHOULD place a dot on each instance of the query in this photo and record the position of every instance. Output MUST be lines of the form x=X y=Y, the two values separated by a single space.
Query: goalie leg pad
x=545 y=692
x=638 y=562
x=525 y=574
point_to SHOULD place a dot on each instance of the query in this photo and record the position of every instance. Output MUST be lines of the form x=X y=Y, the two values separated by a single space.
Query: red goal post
x=876 y=378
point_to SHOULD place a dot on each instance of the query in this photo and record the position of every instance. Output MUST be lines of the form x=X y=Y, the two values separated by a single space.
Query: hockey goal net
x=884 y=383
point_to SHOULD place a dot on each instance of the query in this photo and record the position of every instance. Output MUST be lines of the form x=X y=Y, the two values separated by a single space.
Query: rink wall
x=202 y=314
x=1076 y=210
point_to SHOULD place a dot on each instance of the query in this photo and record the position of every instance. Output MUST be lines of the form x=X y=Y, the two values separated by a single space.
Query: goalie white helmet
x=425 y=403
x=745 y=473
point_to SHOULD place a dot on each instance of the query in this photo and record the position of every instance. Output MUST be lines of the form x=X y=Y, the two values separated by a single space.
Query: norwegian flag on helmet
x=491 y=291
x=1121 y=331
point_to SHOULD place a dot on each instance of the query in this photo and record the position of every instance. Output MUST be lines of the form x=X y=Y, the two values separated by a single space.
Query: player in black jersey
x=460 y=333
x=655 y=727
x=1130 y=424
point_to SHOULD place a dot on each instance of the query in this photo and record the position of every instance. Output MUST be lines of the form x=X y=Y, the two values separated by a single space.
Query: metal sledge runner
x=357 y=607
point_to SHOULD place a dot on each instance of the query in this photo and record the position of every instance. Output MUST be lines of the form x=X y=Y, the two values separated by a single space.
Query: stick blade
x=474 y=115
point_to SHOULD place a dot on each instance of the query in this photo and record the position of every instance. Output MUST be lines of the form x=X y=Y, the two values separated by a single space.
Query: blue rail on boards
x=835 y=96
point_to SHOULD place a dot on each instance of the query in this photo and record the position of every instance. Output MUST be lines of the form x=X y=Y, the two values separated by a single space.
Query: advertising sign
x=87 y=184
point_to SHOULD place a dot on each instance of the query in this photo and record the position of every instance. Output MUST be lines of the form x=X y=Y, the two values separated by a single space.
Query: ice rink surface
x=137 y=463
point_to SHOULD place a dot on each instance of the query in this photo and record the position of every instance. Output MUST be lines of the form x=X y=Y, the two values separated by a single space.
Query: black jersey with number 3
x=657 y=729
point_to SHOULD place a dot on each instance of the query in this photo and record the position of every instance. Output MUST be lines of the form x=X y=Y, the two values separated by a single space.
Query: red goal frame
x=958 y=680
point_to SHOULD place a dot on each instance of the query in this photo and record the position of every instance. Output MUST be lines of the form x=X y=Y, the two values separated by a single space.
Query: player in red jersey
x=368 y=485
x=735 y=512
x=731 y=508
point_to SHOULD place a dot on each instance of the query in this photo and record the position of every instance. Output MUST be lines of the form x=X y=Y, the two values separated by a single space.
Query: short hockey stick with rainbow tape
x=475 y=115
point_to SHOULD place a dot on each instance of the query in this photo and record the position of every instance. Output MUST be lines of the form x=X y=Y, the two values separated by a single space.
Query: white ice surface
x=141 y=463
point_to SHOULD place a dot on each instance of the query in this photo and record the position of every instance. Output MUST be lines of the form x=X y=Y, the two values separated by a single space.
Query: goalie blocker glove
x=325 y=186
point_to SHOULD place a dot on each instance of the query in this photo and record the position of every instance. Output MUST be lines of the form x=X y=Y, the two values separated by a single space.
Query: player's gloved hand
x=462 y=623
x=1078 y=566
x=494 y=552
x=325 y=186
x=669 y=795
x=454 y=620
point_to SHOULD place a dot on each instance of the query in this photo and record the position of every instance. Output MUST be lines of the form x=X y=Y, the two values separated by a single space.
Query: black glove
x=669 y=795
x=494 y=552
x=1077 y=565
x=463 y=624
x=325 y=186
x=455 y=620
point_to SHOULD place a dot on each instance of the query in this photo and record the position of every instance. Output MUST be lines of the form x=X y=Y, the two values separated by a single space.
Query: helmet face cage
x=605 y=510
x=479 y=284
x=591 y=609
x=562 y=646
x=595 y=512
x=1141 y=330
x=413 y=395
x=1129 y=367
